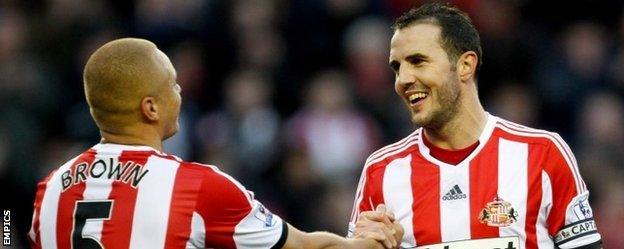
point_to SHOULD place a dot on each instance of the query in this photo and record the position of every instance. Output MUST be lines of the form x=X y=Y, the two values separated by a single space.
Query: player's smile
x=416 y=99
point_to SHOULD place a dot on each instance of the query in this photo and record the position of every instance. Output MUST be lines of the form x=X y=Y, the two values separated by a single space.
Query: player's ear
x=149 y=108
x=467 y=65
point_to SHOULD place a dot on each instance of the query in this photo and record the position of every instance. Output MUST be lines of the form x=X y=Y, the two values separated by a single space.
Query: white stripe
x=561 y=145
x=198 y=232
x=543 y=238
x=455 y=213
x=151 y=210
x=31 y=232
x=98 y=189
x=513 y=183
x=49 y=207
x=397 y=192
x=357 y=200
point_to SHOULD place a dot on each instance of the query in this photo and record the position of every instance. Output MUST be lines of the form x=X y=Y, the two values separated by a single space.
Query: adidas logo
x=454 y=194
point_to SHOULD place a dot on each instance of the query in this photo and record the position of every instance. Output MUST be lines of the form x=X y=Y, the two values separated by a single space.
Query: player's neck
x=134 y=136
x=463 y=130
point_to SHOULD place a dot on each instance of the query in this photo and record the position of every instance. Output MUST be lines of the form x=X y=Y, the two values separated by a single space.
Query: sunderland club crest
x=498 y=213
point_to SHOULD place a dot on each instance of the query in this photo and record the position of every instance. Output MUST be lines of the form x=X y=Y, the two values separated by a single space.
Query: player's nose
x=405 y=77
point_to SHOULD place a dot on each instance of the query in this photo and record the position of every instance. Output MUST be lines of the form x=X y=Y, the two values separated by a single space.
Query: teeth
x=417 y=96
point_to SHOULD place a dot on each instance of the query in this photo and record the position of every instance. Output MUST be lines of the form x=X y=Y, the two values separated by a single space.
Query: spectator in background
x=254 y=26
x=366 y=43
x=331 y=130
x=601 y=143
x=169 y=21
x=366 y=46
x=192 y=76
x=516 y=102
x=575 y=66
x=26 y=106
x=326 y=139
x=242 y=134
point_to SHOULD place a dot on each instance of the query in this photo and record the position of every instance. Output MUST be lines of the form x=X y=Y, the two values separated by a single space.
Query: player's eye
x=415 y=60
x=395 y=65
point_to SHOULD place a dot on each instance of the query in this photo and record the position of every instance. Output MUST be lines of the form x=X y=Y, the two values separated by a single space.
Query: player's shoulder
x=516 y=132
x=401 y=146
x=208 y=171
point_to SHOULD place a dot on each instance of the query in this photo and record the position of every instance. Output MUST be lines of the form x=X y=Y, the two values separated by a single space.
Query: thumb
x=384 y=210
x=381 y=208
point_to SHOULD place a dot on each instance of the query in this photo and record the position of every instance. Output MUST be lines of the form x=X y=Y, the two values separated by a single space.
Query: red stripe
x=534 y=198
x=67 y=203
x=562 y=192
x=483 y=188
x=185 y=191
x=41 y=188
x=116 y=230
x=426 y=205
x=222 y=206
x=375 y=187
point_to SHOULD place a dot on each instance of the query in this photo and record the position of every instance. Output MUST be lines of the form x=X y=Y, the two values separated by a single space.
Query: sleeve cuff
x=283 y=237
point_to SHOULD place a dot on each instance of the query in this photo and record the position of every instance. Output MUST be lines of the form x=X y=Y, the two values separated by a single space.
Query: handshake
x=376 y=228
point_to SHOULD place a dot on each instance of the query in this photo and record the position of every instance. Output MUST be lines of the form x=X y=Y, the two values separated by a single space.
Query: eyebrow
x=416 y=57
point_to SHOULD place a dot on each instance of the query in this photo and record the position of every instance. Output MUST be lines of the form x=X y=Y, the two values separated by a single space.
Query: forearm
x=317 y=240
x=325 y=240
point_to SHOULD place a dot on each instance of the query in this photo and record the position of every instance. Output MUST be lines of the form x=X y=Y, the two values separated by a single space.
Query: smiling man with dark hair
x=466 y=178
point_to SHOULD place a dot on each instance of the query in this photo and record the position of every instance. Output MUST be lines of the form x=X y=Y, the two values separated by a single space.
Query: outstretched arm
x=301 y=240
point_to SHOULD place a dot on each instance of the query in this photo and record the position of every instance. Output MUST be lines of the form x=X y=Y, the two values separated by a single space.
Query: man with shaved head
x=126 y=193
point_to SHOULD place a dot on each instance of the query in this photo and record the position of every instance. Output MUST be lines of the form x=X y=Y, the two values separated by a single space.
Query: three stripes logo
x=454 y=194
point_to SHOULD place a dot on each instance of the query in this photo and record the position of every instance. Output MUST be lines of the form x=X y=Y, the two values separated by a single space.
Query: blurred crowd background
x=290 y=96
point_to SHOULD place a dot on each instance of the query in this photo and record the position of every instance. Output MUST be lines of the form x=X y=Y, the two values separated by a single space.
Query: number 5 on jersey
x=86 y=211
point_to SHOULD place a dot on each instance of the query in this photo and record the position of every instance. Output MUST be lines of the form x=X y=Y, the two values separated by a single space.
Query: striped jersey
x=520 y=186
x=122 y=196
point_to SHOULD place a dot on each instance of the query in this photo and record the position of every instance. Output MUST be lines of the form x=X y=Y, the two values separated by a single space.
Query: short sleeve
x=570 y=221
x=232 y=218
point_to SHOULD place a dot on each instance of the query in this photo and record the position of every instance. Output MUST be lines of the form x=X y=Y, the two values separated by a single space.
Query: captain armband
x=575 y=230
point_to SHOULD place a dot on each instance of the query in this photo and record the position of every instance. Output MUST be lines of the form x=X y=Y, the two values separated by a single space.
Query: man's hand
x=379 y=225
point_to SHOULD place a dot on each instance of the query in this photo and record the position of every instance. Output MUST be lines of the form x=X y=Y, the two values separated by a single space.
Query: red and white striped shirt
x=121 y=196
x=519 y=183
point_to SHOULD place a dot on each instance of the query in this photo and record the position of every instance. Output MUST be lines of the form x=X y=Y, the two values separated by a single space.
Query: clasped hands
x=379 y=225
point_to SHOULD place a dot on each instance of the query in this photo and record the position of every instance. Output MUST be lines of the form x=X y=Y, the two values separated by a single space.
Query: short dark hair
x=458 y=35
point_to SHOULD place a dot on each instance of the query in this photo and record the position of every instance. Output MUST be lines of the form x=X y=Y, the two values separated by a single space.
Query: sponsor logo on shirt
x=490 y=243
x=454 y=194
x=498 y=213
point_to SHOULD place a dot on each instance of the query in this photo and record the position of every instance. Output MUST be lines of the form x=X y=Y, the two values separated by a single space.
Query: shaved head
x=119 y=76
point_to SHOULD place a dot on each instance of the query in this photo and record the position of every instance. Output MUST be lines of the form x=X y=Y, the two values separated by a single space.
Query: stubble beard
x=448 y=99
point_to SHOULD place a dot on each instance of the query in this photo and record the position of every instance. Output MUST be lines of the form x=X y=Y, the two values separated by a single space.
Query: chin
x=420 y=119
